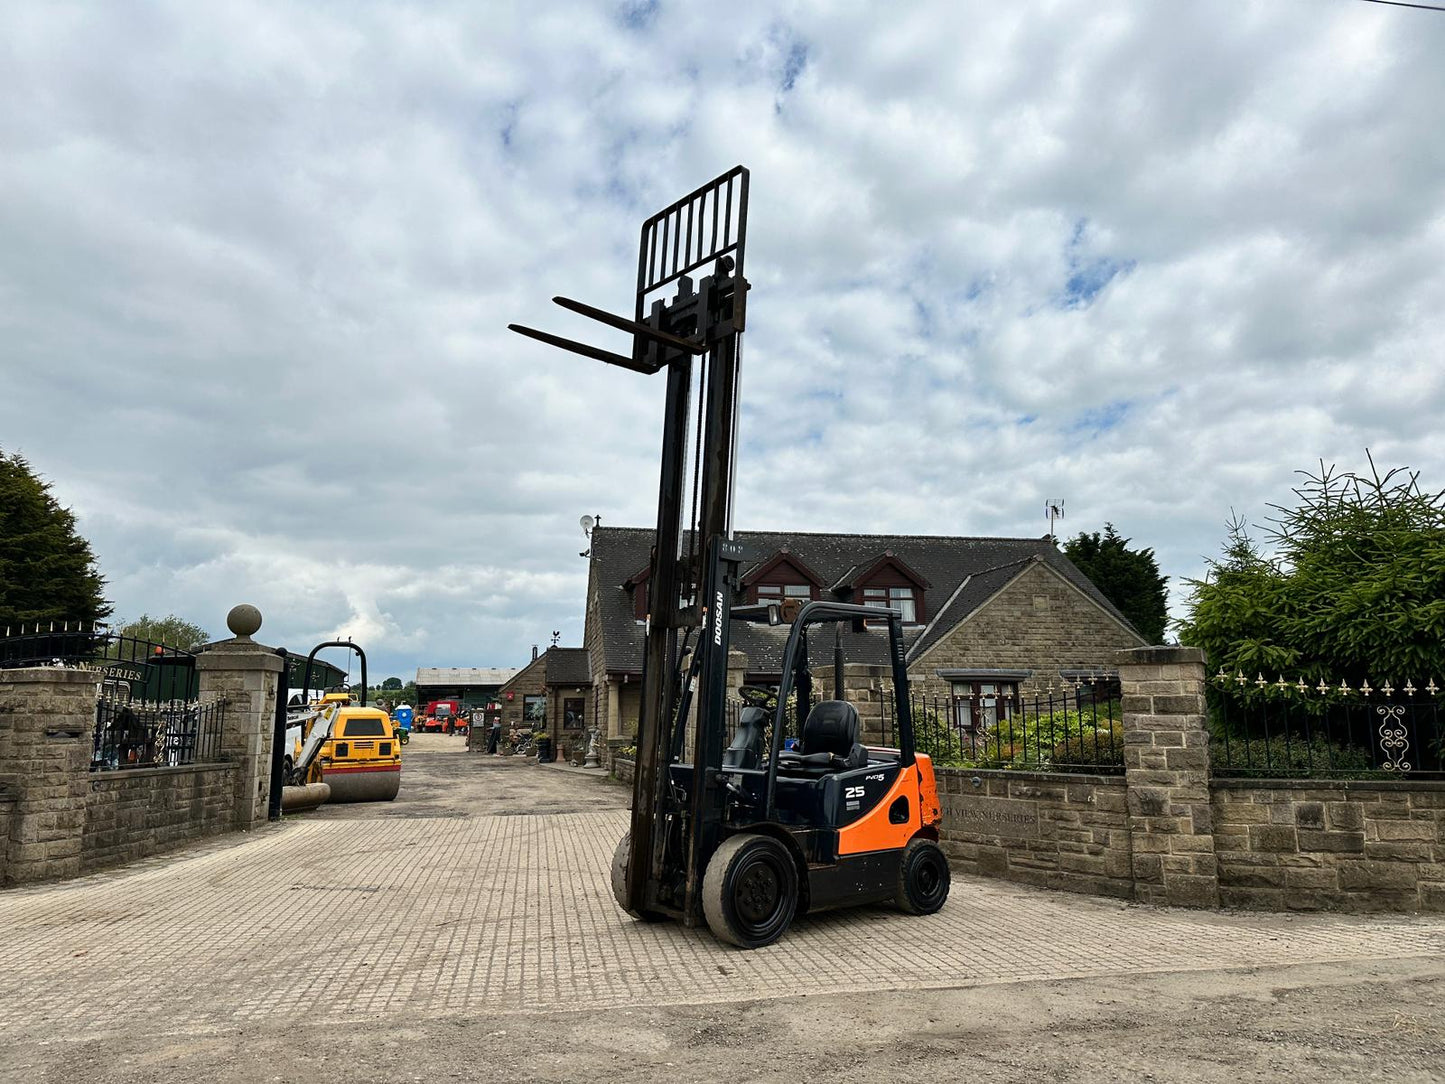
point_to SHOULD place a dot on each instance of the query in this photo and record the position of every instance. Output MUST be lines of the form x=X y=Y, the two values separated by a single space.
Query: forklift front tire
x=750 y=890
x=619 y=881
x=922 y=878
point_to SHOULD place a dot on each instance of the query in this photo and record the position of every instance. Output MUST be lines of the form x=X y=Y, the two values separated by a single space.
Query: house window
x=777 y=592
x=534 y=711
x=572 y=712
x=892 y=598
x=979 y=705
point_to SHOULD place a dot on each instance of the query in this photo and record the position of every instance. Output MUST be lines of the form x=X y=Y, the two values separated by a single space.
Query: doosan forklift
x=744 y=834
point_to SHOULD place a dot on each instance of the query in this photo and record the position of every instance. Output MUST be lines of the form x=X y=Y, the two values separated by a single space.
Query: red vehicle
x=437 y=714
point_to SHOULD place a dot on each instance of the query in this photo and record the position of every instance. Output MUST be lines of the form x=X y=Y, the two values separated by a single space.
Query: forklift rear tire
x=619 y=881
x=750 y=890
x=922 y=878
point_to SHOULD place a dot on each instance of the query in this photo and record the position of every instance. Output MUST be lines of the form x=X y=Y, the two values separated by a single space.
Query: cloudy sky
x=257 y=263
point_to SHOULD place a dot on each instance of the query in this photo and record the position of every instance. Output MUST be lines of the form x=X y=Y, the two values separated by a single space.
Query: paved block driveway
x=486 y=885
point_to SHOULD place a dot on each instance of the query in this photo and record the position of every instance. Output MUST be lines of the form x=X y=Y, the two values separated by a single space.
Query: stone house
x=552 y=695
x=987 y=621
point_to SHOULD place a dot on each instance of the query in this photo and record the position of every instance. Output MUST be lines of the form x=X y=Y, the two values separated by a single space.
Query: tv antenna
x=1054 y=509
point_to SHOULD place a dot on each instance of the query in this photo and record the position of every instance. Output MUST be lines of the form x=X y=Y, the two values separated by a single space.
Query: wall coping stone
x=59 y=675
x=1162 y=654
x=239 y=655
x=1033 y=777
x=1345 y=784
x=122 y=774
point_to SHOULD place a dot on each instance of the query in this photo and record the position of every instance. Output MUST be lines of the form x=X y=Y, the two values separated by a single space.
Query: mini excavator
x=744 y=835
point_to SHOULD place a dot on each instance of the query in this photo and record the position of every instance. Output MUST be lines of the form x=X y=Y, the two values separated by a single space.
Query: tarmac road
x=440 y=778
x=466 y=932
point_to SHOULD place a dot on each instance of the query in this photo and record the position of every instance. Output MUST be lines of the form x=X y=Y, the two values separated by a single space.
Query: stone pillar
x=47 y=730
x=864 y=686
x=737 y=667
x=245 y=674
x=1166 y=767
x=612 y=726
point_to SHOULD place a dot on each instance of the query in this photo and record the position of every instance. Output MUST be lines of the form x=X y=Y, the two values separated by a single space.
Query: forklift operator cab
x=832 y=823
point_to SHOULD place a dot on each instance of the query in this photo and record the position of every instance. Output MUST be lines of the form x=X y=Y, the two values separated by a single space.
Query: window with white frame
x=979 y=705
x=777 y=592
x=893 y=598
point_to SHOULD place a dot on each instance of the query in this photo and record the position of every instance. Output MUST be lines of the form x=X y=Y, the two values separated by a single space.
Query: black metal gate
x=148 y=710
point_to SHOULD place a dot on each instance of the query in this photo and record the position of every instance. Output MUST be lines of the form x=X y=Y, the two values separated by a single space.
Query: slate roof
x=568 y=666
x=962 y=574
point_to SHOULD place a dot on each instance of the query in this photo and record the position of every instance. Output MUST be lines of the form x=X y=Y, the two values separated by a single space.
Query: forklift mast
x=695 y=336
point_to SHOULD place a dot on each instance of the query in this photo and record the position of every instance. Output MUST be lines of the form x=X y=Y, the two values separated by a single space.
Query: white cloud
x=256 y=264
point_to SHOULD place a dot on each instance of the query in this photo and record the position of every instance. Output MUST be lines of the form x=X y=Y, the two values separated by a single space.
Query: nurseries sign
x=1010 y=817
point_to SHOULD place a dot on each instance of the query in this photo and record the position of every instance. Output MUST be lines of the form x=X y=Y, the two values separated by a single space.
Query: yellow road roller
x=352 y=748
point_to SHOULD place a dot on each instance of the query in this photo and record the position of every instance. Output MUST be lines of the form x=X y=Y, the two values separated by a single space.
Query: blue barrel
x=402 y=715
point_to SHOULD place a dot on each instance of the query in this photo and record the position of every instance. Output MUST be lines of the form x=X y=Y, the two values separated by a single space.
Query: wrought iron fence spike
x=1365 y=687
x=1344 y=686
x=1431 y=688
x=1387 y=688
x=1409 y=687
x=1239 y=677
x=1301 y=686
x=1322 y=688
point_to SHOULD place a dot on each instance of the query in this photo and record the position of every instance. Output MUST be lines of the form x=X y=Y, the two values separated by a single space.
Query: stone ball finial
x=243 y=621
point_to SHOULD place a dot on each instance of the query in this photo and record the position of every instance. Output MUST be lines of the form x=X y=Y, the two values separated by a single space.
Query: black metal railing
x=148 y=735
x=1072 y=729
x=148 y=711
x=1284 y=732
x=153 y=672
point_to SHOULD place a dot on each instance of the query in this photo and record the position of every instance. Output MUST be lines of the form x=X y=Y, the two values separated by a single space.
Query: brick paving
x=353 y=917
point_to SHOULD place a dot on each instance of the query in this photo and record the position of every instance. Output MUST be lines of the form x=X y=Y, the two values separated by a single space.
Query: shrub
x=1293 y=757
x=1091 y=737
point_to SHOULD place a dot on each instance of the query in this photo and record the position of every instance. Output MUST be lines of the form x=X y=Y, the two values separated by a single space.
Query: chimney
x=534 y=652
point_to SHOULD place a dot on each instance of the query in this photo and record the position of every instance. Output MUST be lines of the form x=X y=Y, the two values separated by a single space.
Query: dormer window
x=887 y=583
x=782 y=576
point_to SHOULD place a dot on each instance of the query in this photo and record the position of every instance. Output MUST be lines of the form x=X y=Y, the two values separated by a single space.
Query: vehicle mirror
x=790 y=609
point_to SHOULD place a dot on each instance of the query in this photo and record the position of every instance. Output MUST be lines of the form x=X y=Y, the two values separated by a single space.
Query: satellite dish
x=587 y=524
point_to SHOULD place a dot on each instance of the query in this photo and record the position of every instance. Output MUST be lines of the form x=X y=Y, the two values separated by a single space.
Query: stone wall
x=530 y=681
x=47 y=720
x=1038 y=622
x=60 y=819
x=1169 y=833
x=140 y=812
x=1343 y=845
x=1048 y=829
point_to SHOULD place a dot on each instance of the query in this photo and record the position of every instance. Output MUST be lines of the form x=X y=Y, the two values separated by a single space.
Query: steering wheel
x=756 y=696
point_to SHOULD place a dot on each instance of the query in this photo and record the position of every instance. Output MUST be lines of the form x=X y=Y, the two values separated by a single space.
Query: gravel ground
x=1318 y=1022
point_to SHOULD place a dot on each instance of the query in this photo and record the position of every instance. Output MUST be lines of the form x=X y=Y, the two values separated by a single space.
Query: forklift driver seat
x=745 y=749
x=830 y=739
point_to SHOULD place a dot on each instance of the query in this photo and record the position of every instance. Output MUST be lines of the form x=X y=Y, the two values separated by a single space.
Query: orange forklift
x=747 y=834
